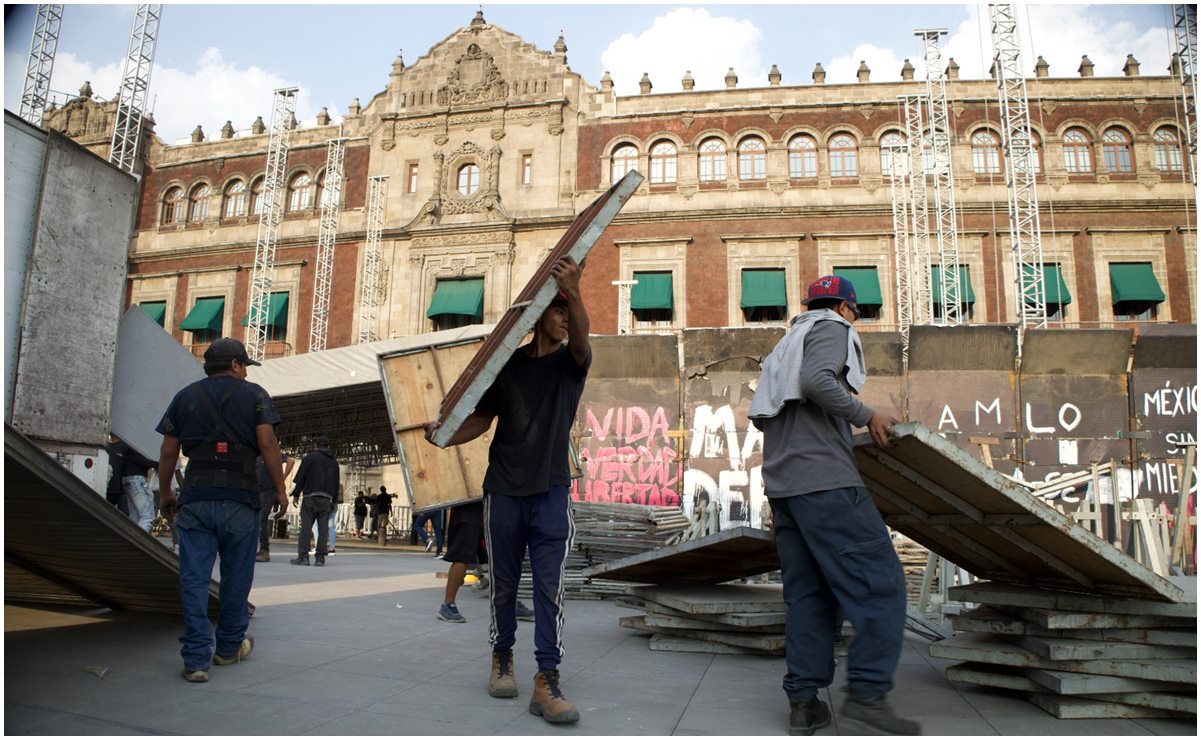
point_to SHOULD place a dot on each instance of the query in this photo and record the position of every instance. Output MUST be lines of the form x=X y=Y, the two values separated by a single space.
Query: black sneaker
x=302 y=560
x=805 y=718
x=524 y=613
x=319 y=562
x=875 y=716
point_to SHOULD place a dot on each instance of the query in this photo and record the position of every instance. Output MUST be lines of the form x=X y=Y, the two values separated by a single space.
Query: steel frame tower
x=1025 y=234
x=41 y=62
x=898 y=171
x=921 y=295
x=135 y=84
x=377 y=188
x=283 y=105
x=946 y=221
x=1186 y=44
x=331 y=207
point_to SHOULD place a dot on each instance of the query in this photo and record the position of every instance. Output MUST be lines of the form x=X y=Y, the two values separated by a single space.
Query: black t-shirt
x=190 y=420
x=534 y=400
x=266 y=485
x=383 y=502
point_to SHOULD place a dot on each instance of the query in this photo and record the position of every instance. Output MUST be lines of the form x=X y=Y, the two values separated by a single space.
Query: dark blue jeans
x=208 y=529
x=434 y=518
x=542 y=523
x=835 y=551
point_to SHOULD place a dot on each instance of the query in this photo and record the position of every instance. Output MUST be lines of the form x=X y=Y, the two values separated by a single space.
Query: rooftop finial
x=478 y=20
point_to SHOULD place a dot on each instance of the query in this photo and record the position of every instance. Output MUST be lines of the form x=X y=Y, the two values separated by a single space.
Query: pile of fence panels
x=1078 y=655
x=733 y=619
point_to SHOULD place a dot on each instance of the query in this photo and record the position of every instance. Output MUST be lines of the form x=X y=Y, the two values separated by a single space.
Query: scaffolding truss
x=369 y=298
x=1025 y=234
x=921 y=294
x=948 y=291
x=272 y=213
x=1186 y=45
x=41 y=62
x=135 y=85
x=898 y=172
x=331 y=207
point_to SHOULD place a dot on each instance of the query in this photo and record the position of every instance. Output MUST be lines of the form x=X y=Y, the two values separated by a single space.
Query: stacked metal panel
x=729 y=619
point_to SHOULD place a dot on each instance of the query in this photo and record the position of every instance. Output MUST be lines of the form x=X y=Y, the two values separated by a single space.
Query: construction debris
x=730 y=619
x=726 y=556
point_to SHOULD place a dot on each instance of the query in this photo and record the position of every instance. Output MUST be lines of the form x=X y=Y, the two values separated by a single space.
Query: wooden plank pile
x=1078 y=655
x=727 y=619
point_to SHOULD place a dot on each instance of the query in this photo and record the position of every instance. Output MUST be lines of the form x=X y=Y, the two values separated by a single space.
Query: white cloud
x=883 y=63
x=686 y=39
x=208 y=93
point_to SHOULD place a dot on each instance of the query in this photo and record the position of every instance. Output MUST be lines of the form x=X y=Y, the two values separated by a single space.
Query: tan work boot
x=501 y=683
x=548 y=701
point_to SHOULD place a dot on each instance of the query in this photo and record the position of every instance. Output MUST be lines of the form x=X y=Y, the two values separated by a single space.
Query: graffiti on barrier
x=723 y=468
x=628 y=458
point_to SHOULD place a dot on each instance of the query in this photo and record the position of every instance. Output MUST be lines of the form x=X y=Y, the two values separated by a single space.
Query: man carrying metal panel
x=527 y=499
x=835 y=550
x=222 y=423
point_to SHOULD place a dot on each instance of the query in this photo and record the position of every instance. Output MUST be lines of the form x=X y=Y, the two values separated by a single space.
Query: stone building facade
x=491 y=146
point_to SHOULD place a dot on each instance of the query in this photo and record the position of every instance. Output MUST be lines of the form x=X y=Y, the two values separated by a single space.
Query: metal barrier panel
x=1163 y=400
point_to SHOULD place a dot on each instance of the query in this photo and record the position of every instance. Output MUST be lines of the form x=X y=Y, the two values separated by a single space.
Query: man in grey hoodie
x=834 y=548
x=318 y=478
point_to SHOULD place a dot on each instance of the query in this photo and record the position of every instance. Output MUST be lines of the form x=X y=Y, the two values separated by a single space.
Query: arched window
x=663 y=163
x=986 y=153
x=1077 y=151
x=256 y=197
x=235 y=199
x=802 y=157
x=713 y=160
x=1115 y=145
x=469 y=179
x=198 y=204
x=300 y=193
x=1167 y=150
x=892 y=148
x=752 y=159
x=844 y=156
x=625 y=158
x=173 y=206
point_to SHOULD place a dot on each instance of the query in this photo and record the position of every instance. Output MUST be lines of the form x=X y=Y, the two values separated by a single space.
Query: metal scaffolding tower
x=377 y=188
x=1025 y=234
x=921 y=298
x=41 y=62
x=331 y=206
x=623 y=306
x=898 y=172
x=272 y=199
x=1186 y=46
x=946 y=221
x=135 y=84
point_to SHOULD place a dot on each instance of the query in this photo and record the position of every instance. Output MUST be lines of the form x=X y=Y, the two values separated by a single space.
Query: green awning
x=156 y=310
x=966 y=294
x=763 y=288
x=653 y=291
x=866 y=282
x=1057 y=289
x=277 y=311
x=206 y=315
x=464 y=297
x=1134 y=281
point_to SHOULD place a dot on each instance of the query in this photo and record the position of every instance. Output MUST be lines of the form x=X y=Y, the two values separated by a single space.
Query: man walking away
x=131 y=468
x=526 y=498
x=834 y=548
x=383 y=508
x=222 y=423
x=360 y=514
x=317 y=479
x=266 y=497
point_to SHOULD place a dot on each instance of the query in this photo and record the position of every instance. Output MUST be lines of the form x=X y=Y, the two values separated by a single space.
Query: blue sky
x=218 y=62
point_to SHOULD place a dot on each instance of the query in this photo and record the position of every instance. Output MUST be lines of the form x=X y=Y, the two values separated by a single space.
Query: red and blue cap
x=830 y=286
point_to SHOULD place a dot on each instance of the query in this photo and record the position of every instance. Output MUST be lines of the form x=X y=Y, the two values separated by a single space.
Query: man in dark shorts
x=466 y=548
x=527 y=502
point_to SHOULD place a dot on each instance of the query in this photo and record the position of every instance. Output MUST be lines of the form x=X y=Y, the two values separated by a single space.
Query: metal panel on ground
x=520 y=318
x=941 y=497
x=1163 y=395
x=725 y=556
x=96 y=552
x=628 y=423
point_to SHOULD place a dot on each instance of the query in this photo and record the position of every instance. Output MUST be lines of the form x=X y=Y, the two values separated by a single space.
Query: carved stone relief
x=475 y=79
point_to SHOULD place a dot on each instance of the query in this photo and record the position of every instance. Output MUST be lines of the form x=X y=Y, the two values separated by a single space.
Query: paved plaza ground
x=355 y=649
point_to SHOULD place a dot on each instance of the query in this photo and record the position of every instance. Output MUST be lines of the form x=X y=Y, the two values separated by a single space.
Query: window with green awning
x=156 y=310
x=277 y=311
x=763 y=288
x=1056 y=288
x=867 y=284
x=652 y=293
x=459 y=297
x=1134 y=281
x=206 y=315
x=966 y=294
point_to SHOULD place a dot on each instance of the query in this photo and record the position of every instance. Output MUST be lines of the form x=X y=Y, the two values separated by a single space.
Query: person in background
x=130 y=467
x=266 y=496
x=360 y=514
x=466 y=549
x=383 y=507
x=317 y=479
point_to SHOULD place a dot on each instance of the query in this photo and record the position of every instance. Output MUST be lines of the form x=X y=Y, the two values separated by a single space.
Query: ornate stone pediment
x=475 y=79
